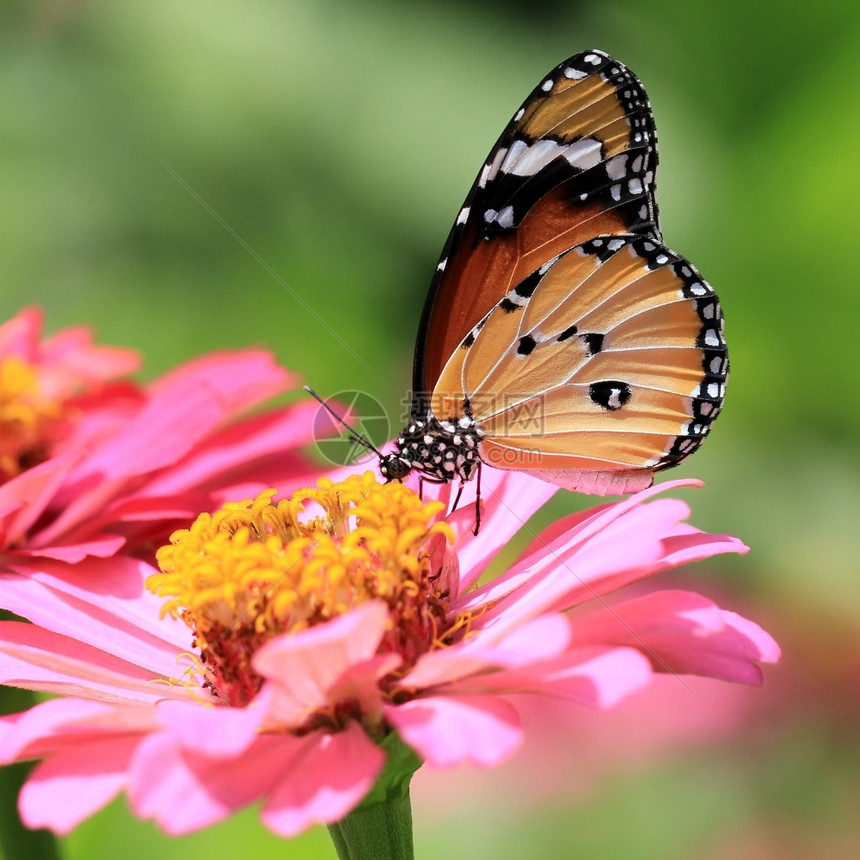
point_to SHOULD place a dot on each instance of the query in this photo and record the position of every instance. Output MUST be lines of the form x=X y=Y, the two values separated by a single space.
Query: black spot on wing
x=525 y=289
x=526 y=345
x=610 y=394
x=593 y=342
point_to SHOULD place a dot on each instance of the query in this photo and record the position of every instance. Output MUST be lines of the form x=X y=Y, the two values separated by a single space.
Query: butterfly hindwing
x=577 y=160
x=610 y=359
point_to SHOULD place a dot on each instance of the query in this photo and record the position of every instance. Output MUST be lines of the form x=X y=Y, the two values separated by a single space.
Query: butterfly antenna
x=354 y=435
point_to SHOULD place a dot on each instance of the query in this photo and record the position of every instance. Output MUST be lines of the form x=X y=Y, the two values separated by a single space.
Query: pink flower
x=89 y=466
x=324 y=624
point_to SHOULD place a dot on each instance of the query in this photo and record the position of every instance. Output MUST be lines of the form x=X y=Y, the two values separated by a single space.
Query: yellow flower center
x=254 y=570
x=29 y=422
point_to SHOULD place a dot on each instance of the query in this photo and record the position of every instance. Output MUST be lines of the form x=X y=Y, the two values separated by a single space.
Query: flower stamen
x=29 y=421
x=258 y=569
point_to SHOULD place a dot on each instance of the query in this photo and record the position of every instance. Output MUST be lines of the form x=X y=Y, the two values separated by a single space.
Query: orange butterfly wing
x=577 y=160
x=606 y=365
x=560 y=336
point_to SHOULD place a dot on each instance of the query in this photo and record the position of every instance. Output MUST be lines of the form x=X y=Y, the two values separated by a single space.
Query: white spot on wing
x=523 y=159
x=548 y=264
x=616 y=168
x=505 y=218
x=490 y=170
x=513 y=155
x=584 y=153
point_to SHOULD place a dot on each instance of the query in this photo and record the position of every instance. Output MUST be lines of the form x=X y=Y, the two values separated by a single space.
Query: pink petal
x=183 y=505
x=183 y=791
x=71 y=361
x=183 y=409
x=102 y=603
x=286 y=470
x=164 y=430
x=75 y=783
x=684 y=633
x=358 y=685
x=24 y=498
x=100 y=546
x=599 y=677
x=213 y=731
x=570 y=568
x=239 y=379
x=484 y=730
x=602 y=680
x=57 y=724
x=509 y=500
x=333 y=775
x=38 y=659
x=20 y=335
x=304 y=666
x=542 y=639
x=587 y=563
x=584 y=525
x=316 y=777
x=255 y=437
x=760 y=644
x=101 y=414
x=694 y=545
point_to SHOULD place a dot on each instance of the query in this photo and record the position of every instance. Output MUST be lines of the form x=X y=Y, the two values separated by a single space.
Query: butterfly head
x=393 y=467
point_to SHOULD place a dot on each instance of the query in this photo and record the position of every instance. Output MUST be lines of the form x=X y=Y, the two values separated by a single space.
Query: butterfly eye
x=560 y=336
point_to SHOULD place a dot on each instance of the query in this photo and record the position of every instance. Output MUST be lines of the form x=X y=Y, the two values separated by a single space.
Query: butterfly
x=560 y=336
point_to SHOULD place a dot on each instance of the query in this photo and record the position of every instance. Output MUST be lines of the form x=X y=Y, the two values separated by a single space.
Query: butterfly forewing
x=577 y=160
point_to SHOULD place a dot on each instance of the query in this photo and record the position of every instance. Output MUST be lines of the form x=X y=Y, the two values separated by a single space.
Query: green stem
x=382 y=831
x=16 y=841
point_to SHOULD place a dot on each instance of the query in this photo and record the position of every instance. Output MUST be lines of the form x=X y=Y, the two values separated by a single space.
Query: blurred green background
x=146 y=147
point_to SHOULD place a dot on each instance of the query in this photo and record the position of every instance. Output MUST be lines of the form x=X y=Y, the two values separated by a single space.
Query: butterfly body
x=560 y=336
x=440 y=450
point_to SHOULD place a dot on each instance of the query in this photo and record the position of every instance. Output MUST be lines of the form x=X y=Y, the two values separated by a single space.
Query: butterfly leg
x=422 y=479
x=477 y=499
